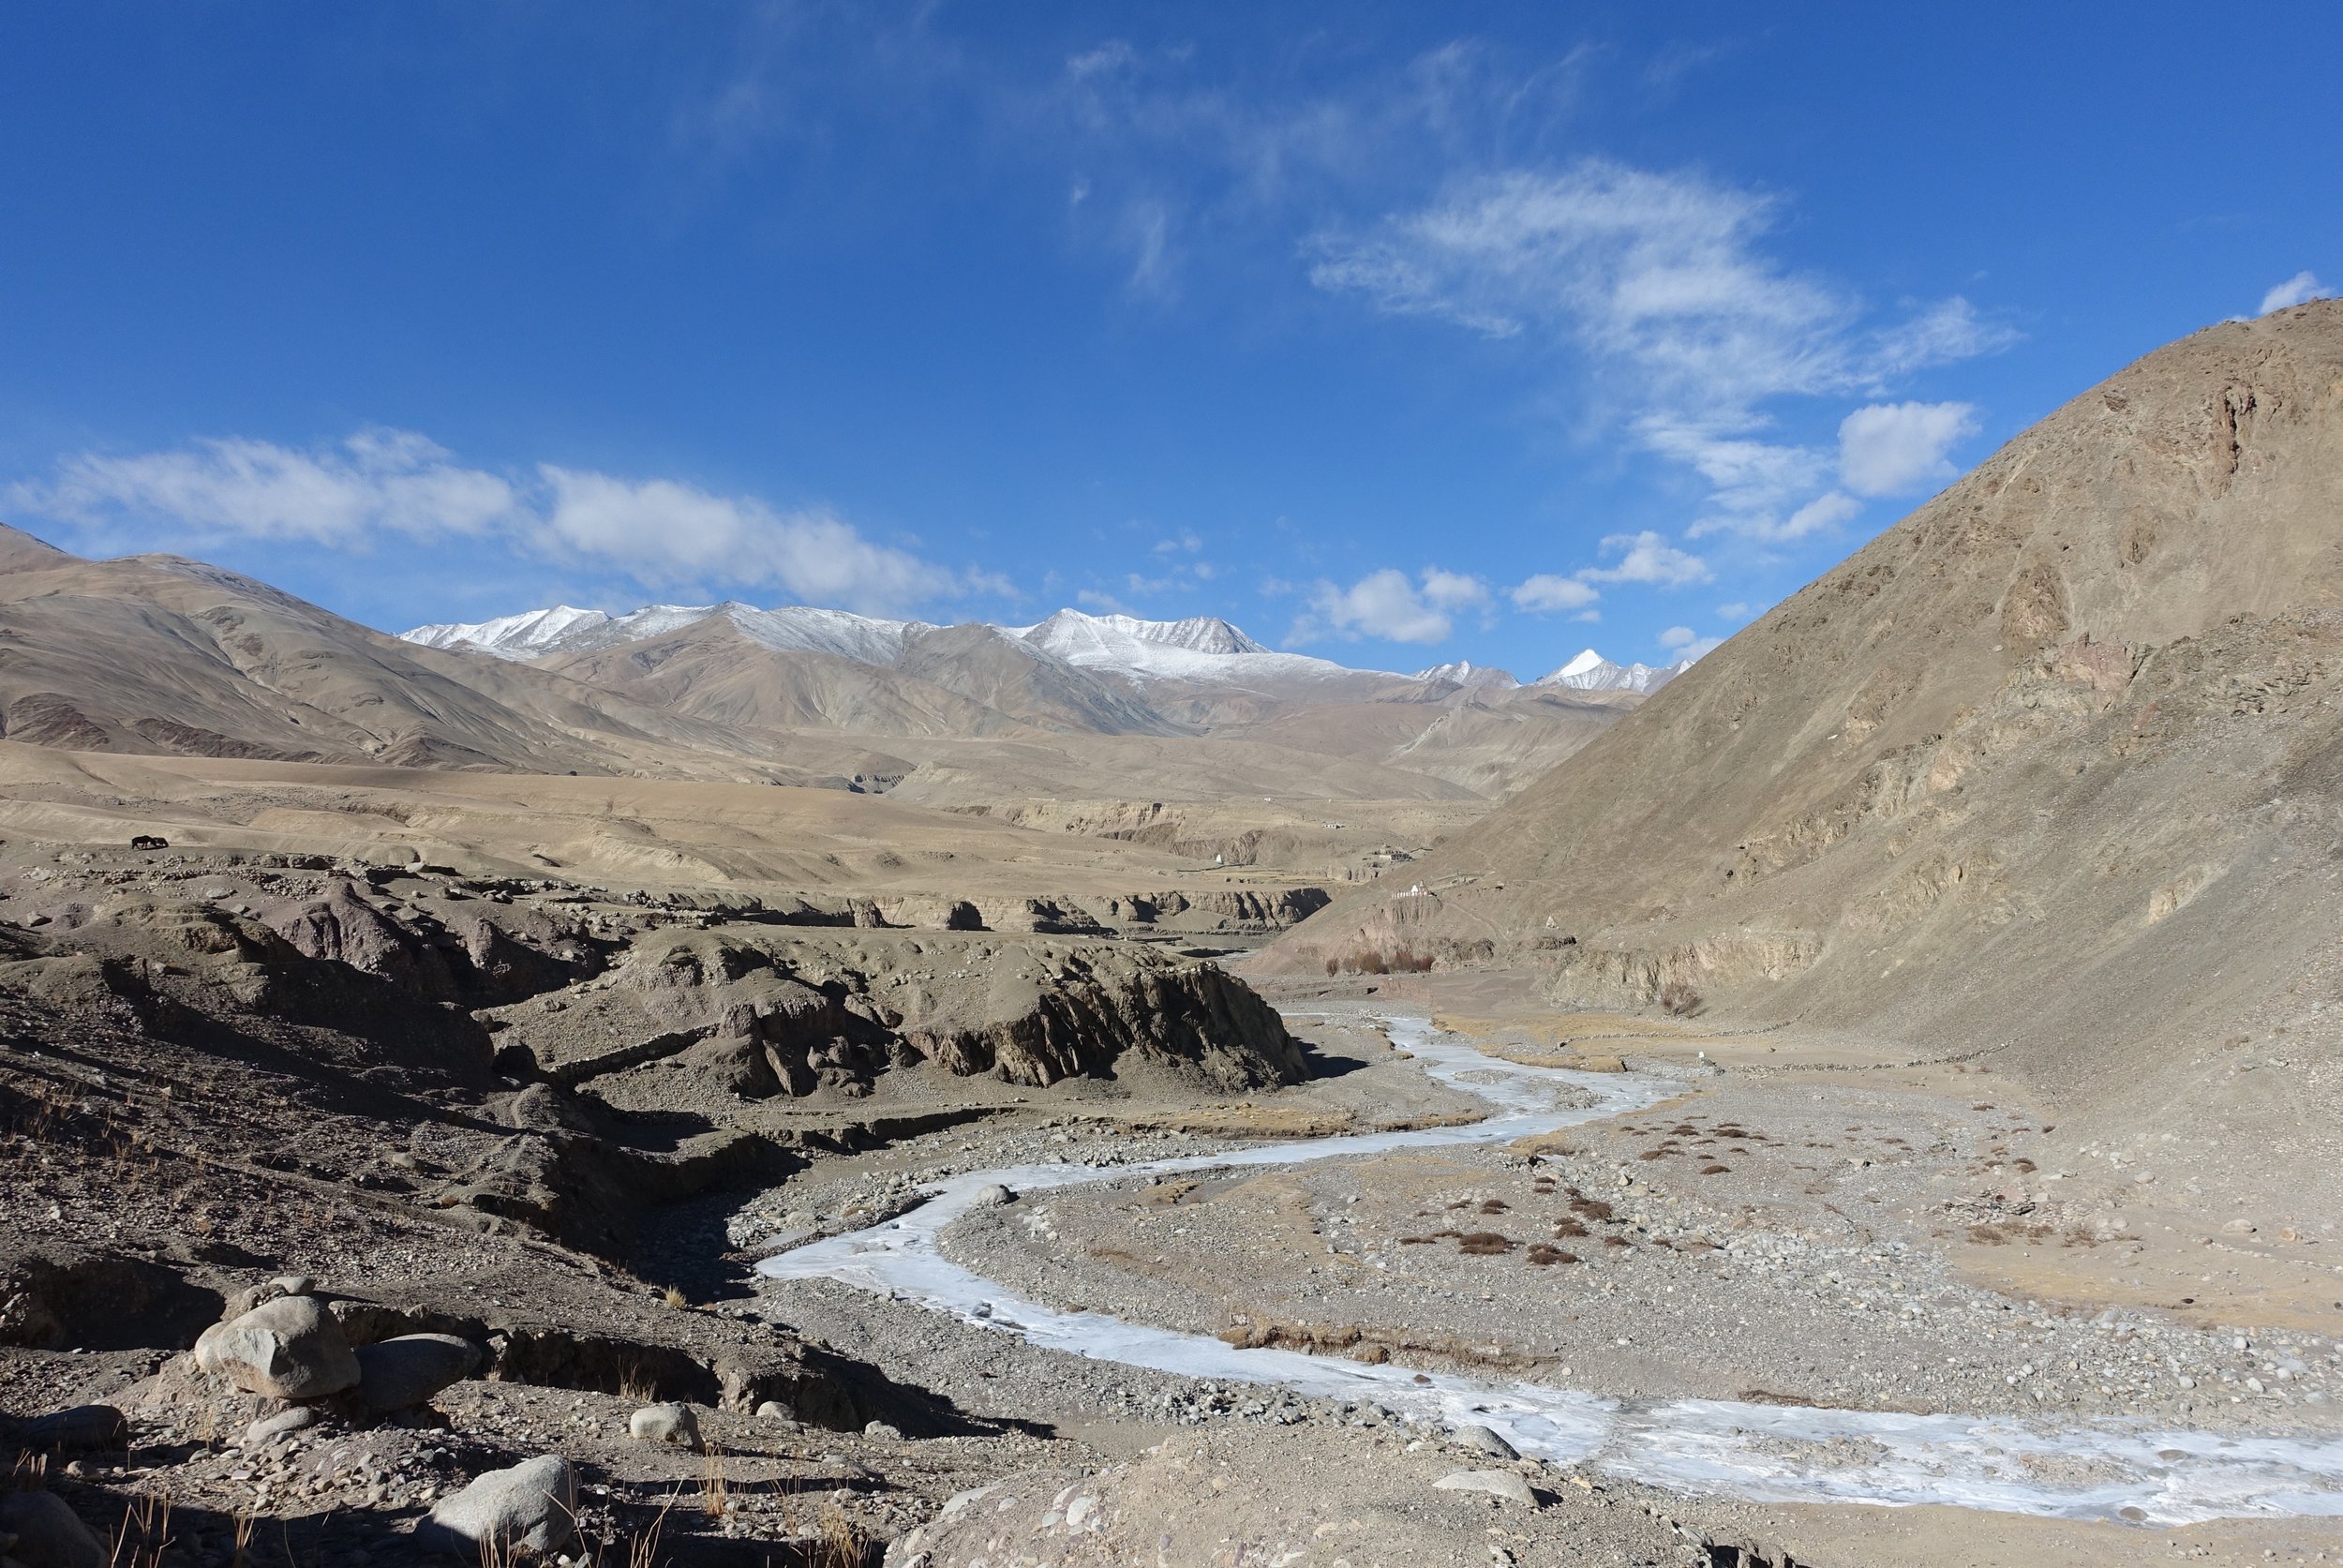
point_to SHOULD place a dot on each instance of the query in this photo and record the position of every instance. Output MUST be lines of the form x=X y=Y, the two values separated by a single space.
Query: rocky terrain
x=642 y=1102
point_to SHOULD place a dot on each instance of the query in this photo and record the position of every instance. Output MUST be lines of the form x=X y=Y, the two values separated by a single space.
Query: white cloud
x=1947 y=331
x=1453 y=591
x=1685 y=643
x=1546 y=592
x=381 y=485
x=1663 y=284
x=1186 y=539
x=1646 y=558
x=2301 y=289
x=1389 y=604
x=375 y=482
x=1892 y=448
x=661 y=532
x=1825 y=510
x=1737 y=610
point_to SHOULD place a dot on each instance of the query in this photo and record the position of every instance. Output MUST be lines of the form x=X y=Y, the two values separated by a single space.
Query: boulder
x=278 y=1425
x=1486 y=1442
x=531 y=1507
x=992 y=1195
x=1496 y=1483
x=83 y=1426
x=885 y=1430
x=49 y=1534
x=671 y=1422
x=399 y=1374
x=283 y=1285
x=291 y=1348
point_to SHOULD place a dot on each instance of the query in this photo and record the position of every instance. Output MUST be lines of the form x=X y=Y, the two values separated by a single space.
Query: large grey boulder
x=1496 y=1483
x=670 y=1423
x=291 y=1348
x=402 y=1373
x=49 y=1534
x=83 y=1426
x=531 y=1507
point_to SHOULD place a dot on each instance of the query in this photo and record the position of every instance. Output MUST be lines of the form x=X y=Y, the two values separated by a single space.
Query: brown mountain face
x=2054 y=764
x=159 y=655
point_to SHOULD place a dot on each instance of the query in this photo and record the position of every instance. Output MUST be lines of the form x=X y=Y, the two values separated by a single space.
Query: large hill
x=2051 y=770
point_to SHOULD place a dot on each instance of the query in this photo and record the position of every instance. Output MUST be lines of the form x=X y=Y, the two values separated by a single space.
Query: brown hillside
x=2053 y=769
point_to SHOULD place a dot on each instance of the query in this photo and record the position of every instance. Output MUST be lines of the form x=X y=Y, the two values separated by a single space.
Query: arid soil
x=219 y=1073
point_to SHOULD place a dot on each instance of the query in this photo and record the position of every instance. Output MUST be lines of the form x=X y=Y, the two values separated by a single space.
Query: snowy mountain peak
x=1587 y=663
x=510 y=636
x=1591 y=672
x=1070 y=632
x=1463 y=672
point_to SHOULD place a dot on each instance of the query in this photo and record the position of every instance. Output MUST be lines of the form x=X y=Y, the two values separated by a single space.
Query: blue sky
x=1395 y=332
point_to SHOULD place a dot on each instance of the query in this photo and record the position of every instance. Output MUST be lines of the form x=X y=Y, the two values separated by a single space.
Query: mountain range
x=1202 y=648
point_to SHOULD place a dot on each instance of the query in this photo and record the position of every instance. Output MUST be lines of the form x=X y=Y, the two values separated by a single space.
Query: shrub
x=1679 y=1000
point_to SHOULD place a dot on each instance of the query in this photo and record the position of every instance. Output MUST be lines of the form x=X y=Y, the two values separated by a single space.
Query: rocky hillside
x=160 y=655
x=2052 y=769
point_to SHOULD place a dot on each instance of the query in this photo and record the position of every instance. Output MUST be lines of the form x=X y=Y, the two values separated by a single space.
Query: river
x=2112 y=1469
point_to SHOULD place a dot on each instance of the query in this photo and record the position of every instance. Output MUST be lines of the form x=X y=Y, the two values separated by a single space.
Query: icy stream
x=1757 y=1452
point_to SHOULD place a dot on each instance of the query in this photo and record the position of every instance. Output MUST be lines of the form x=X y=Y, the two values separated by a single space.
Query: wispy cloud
x=394 y=485
x=1660 y=285
x=1546 y=593
x=1391 y=606
x=2301 y=289
x=1890 y=449
x=1646 y=558
x=348 y=494
x=1685 y=643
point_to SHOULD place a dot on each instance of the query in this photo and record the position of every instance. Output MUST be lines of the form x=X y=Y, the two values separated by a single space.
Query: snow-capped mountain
x=567 y=630
x=1591 y=672
x=511 y=637
x=1199 y=648
x=1071 y=635
x=1463 y=672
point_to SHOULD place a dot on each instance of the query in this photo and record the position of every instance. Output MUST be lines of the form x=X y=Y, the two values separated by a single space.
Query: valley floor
x=1794 y=1223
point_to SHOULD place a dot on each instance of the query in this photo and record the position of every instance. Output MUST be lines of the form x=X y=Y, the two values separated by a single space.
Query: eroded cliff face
x=760 y=1012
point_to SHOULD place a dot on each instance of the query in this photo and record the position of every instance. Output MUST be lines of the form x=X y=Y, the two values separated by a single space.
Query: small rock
x=278 y=1425
x=287 y=1349
x=1486 y=1442
x=2237 y=1228
x=83 y=1426
x=992 y=1195
x=882 y=1429
x=1496 y=1483
x=532 y=1507
x=773 y=1409
x=399 y=1374
x=669 y=1423
x=48 y=1533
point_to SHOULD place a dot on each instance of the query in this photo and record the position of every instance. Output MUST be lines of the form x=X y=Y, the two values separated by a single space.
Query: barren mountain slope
x=2056 y=764
x=159 y=654
x=708 y=670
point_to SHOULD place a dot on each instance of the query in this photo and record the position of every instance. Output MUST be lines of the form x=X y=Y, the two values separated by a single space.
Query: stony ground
x=1749 y=1239
x=169 y=1141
